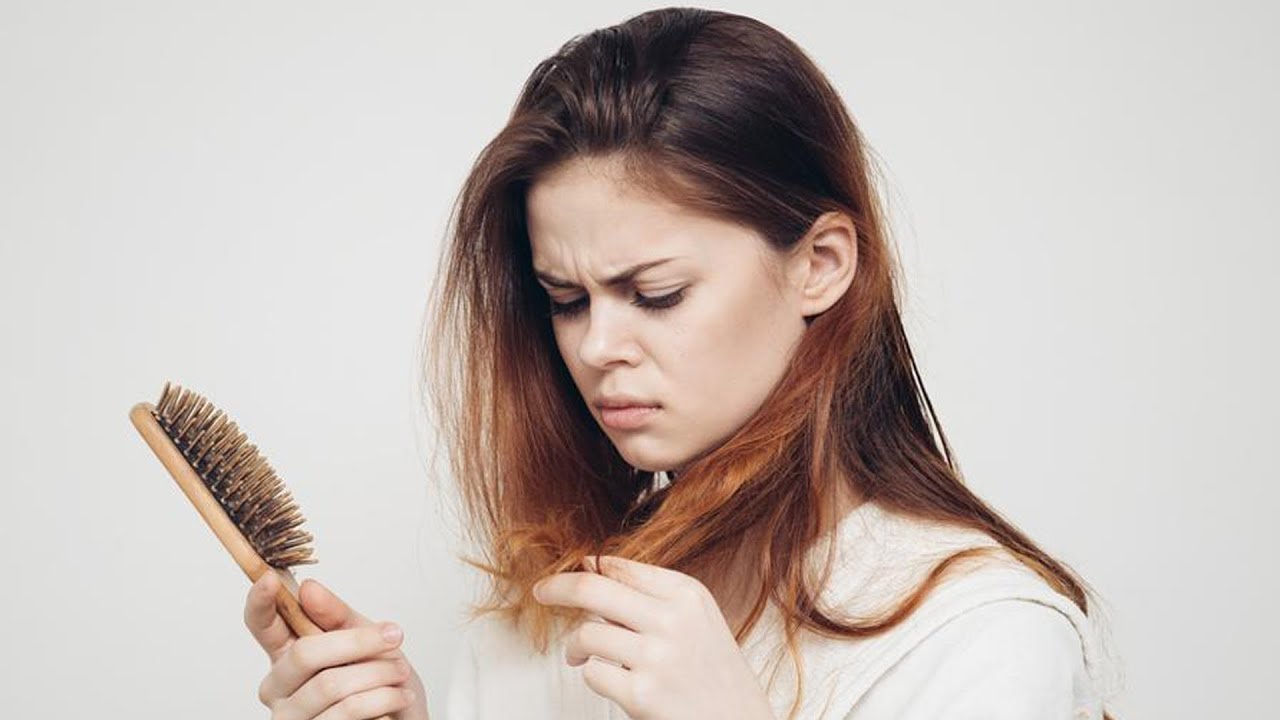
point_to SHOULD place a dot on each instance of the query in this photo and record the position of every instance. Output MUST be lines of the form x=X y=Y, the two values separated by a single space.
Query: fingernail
x=392 y=633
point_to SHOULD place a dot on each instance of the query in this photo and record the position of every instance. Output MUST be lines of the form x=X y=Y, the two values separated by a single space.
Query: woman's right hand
x=349 y=671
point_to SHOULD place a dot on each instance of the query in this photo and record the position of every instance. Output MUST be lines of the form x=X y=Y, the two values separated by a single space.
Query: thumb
x=327 y=609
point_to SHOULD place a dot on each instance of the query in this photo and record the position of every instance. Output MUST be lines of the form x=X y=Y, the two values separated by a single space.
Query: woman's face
x=683 y=321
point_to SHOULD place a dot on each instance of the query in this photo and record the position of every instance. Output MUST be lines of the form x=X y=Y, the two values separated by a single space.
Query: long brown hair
x=723 y=114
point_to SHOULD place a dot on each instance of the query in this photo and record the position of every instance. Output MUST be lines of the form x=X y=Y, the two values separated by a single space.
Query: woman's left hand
x=677 y=657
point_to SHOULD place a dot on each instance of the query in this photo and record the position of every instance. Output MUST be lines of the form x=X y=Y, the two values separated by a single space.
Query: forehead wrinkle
x=564 y=226
x=616 y=280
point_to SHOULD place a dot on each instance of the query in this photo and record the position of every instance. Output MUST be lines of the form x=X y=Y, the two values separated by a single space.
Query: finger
x=614 y=683
x=604 y=596
x=370 y=703
x=603 y=640
x=333 y=685
x=652 y=579
x=262 y=618
x=331 y=612
x=313 y=653
x=326 y=609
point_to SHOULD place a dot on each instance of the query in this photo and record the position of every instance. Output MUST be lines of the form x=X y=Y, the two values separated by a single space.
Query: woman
x=688 y=429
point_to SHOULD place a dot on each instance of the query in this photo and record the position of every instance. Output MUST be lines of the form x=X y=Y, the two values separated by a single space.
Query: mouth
x=627 y=418
x=626 y=413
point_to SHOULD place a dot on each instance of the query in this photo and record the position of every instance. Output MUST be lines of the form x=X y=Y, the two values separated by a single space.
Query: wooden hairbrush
x=235 y=490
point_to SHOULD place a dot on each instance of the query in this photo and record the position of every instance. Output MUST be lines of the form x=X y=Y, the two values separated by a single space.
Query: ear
x=824 y=262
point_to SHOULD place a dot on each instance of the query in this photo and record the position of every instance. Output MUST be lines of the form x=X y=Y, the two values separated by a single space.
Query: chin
x=652 y=455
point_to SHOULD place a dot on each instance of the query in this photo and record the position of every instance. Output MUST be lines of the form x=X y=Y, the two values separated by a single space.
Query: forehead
x=588 y=209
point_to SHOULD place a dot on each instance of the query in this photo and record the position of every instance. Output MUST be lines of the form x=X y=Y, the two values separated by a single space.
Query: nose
x=608 y=339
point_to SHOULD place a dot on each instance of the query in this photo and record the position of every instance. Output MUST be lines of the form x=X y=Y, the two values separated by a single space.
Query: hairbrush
x=234 y=489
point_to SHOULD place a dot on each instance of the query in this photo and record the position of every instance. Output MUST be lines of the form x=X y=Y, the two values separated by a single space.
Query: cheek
x=567 y=340
x=726 y=362
x=562 y=341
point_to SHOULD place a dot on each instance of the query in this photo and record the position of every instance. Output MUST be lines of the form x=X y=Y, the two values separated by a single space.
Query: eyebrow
x=621 y=278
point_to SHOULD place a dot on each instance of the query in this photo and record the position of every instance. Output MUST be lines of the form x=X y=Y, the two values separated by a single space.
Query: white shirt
x=993 y=643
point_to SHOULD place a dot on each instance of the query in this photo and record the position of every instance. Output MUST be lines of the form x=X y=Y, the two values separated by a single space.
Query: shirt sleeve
x=1005 y=660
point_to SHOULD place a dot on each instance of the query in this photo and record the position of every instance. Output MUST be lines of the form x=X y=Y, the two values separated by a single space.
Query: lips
x=627 y=417
x=625 y=412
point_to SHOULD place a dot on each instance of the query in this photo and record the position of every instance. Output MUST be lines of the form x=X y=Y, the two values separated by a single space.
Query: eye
x=652 y=304
x=661 y=302
x=569 y=308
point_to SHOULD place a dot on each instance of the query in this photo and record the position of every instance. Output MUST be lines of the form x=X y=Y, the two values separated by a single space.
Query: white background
x=248 y=198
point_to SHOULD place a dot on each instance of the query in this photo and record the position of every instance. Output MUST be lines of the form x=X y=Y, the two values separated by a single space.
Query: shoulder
x=1008 y=658
x=1015 y=632
x=992 y=640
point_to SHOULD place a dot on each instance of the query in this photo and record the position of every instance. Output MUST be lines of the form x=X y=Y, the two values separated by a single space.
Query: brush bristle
x=238 y=476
